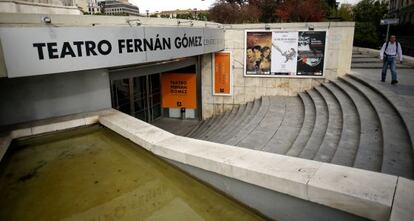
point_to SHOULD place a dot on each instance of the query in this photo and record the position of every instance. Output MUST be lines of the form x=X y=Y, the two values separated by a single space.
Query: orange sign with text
x=222 y=75
x=179 y=90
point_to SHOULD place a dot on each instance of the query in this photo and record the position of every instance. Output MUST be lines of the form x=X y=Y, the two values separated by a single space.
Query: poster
x=285 y=53
x=284 y=57
x=311 y=50
x=178 y=90
x=222 y=78
x=258 y=53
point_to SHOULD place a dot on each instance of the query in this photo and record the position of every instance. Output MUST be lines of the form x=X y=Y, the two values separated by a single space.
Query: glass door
x=139 y=97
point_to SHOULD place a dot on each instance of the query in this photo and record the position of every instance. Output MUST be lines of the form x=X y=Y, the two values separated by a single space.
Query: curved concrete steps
x=345 y=122
x=397 y=150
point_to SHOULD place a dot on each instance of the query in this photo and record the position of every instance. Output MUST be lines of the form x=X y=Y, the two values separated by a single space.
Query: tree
x=367 y=14
x=345 y=13
x=229 y=11
x=301 y=11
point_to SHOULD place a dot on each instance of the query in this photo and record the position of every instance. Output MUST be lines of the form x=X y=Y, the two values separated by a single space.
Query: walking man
x=389 y=52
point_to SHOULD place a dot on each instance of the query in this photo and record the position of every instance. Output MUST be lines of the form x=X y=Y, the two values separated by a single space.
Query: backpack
x=386 y=46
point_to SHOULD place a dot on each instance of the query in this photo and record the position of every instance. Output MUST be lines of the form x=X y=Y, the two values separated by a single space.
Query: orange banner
x=222 y=78
x=179 y=90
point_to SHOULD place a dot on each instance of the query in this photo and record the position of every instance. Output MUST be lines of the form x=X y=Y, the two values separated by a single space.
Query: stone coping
x=364 y=193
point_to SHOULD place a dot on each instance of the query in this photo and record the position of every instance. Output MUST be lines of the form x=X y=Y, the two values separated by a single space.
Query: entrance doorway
x=139 y=97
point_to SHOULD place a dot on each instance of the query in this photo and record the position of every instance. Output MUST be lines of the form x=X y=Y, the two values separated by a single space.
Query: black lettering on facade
x=39 y=47
x=101 y=48
x=90 y=48
x=67 y=50
x=52 y=50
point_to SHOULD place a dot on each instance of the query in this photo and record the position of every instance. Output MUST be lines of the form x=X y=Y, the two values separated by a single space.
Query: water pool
x=95 y=174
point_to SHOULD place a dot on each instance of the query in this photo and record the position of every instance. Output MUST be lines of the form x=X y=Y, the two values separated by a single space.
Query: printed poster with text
x=284 y=56
x=178 y=90
x=311 y=53
x=222 y=73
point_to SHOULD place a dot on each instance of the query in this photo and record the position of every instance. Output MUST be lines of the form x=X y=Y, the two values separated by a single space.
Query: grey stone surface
x=289 y=128
x=369 y=152
x=398 y=154
x=334 y=129
x=248 y=115
x=266 y=129
x=243 y=110
x=218 y=125
x=351 y=128
x=320 y=126
x=256 y=118
x=307 y=126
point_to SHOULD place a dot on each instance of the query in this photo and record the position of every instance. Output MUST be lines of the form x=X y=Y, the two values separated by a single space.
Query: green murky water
x=95 y=174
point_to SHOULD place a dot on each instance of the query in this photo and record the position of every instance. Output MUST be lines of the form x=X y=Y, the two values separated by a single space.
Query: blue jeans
x=389 y=60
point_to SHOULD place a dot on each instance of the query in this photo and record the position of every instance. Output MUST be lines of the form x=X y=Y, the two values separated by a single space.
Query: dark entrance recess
x=137 y=90
x=139 y=97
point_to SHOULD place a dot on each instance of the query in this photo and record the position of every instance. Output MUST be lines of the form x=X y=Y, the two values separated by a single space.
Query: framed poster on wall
x=285 y=53
x=222 y=73
x=178 y=90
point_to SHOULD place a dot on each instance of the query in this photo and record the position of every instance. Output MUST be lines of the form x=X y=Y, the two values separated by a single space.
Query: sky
x=164 y=5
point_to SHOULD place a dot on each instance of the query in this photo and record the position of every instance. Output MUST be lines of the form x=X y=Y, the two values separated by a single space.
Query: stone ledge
x=403 y=207
x=360 y=192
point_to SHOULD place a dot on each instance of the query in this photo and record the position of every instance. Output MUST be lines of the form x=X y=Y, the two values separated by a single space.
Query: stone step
x=351 y=128
x=320 y=126
x=267 y=128
x=289 y=128
x=223 y=123
x=366 y=60
x=369 y=152
x=244 y=138
x=233 y=137
x=235 y=125
x=378 y=65
x=208 y=123
x=333 y=132
x=397 y=150
x=307 y=126
x=220 y=118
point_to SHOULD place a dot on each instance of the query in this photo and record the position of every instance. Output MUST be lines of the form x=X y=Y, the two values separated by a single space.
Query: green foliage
x=367 y=15
x=345 y=14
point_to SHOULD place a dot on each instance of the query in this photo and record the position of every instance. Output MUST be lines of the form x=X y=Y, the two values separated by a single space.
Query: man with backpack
x=389 y=52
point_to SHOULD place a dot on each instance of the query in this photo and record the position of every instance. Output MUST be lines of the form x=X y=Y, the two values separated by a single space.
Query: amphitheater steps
x=217 y=120
x=243 y=138
x=345 y=122
x=307 y=125
x=369 y=152
x=266 y=129
x=232 y=138
x=351 y=128
x=319 y=128
x=229 y=118
x=397 y=150
x=289 y=128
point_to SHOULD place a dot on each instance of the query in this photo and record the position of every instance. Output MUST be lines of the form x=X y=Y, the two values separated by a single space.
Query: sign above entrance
x=178 y=90
x=39 y=50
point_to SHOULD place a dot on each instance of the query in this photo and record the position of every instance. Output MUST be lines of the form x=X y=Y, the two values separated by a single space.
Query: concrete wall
x=246 y=89
x=34 y=98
